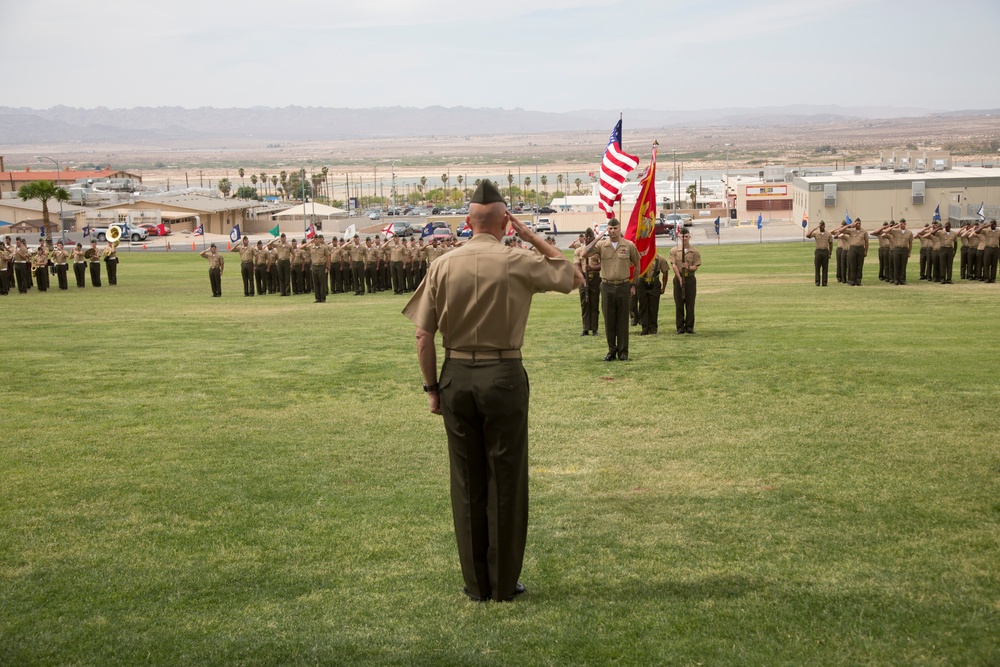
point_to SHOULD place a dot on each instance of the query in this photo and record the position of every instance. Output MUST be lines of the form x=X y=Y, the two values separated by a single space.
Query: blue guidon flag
x=86 y=231
x=427 y=231
x=937 y=214
x=760 y=220
x=717 y=220
x=847 y=218
x=235 y=235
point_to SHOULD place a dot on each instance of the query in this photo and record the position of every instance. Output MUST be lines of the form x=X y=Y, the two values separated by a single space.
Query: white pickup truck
x=129 y=232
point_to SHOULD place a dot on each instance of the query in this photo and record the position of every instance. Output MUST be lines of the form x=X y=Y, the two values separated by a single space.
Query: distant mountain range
x=170 y=125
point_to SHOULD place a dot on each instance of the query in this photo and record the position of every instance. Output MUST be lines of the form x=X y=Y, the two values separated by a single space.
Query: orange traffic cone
x=168 y=246
x=193 y=246
x=143 y=246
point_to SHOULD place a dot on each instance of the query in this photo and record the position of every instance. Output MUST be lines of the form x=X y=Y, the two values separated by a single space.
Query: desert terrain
x=972 y=139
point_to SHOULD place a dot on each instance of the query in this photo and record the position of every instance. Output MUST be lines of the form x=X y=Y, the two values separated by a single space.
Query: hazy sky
x=545 y=55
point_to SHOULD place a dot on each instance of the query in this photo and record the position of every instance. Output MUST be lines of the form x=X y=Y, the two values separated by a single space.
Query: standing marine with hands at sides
x=619 y=271
x=478 y=296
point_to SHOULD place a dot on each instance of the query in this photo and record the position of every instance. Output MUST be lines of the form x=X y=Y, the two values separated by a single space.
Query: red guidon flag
x=387 y=230
x=614 y=168
x=640 y=229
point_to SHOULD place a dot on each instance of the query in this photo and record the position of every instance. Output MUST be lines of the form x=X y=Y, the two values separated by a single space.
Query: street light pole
x=56 y=163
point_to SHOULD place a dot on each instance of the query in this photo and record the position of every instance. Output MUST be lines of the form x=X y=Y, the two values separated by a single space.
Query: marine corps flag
x=640 y=229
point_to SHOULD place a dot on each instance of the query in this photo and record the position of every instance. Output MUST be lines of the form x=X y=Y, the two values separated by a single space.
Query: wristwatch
x=431 y=387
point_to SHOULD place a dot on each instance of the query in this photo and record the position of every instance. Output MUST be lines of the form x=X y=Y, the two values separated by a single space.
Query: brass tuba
x=115 y=234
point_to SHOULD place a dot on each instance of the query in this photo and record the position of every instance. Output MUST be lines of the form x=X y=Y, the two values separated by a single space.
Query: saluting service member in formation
x=320 y=257
x=946 y=252
x=619 y=257
x=6 y=257
x=842 y=244
x=79 y=259
x=283 y=261
x=648 y=290
x=883 y=251
x=821 y=256
x=298 y=263
x=590 y=289
x=991 y=251
x=110 y=257
x=685 y=261
x=357 y=252
x=260 y=268
x=857 y=250
x=216 y=264
x=478 y=297
x=926 y=259
x=900 y=247
x=248 y=254
x=963 y=238
x=60 y=260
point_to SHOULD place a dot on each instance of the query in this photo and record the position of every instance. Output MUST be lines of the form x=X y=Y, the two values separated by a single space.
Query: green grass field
x=812 y=479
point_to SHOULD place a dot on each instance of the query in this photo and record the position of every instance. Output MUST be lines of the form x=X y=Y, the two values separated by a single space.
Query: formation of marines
x=977 y=246
x=24 y=269
x=342 y=266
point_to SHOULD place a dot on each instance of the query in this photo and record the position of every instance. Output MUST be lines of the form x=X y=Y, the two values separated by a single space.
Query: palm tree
x=578 y=182
x=692 y=191
x=274 y=182
x=224 y=186
x=545 y=181
x=559 y=180
x=423 y=183
x=444 y=182
x=460 y=178
x=241 y=172
x=253 y=181
x=510 y=187
x=263 y=179
x=43 y=191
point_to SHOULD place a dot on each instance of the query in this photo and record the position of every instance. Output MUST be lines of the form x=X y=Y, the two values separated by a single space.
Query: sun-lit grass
x=812 y=479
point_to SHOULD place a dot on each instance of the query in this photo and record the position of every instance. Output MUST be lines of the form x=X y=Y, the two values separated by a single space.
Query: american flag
x=614 y=168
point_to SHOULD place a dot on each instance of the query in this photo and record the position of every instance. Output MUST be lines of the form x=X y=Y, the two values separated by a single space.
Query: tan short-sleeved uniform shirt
x=900 y=238
x=247 y=252
x=215 y=261
x=691 y=257
x=856 y=238
x=824 y=240
x=479 y=296
x=991 y=237
x=318 y=253
x=616 y=262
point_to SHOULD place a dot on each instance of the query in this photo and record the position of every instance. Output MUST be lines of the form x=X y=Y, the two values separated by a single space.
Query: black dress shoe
x=610 y=356
x=681 y=332
x=690 y=331
x=474 y=598
x=585 y=333
x=622 y=356
x=518 y=590
x=595 y=332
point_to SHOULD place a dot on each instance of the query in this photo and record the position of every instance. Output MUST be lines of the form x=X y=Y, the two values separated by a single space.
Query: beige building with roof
x=884 y=193
x=185 y=212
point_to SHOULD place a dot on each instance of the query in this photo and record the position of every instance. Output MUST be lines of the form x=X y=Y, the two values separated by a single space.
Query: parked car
x=664 y=227
x=402 y=229
x=374 y=215
x=546 y=210
x=464 y=232
x=443 y=234
x=543 y=225
x=129 y=232
x=437 y=224
x=416 y=228
x=682 y=218
x=154 y=230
